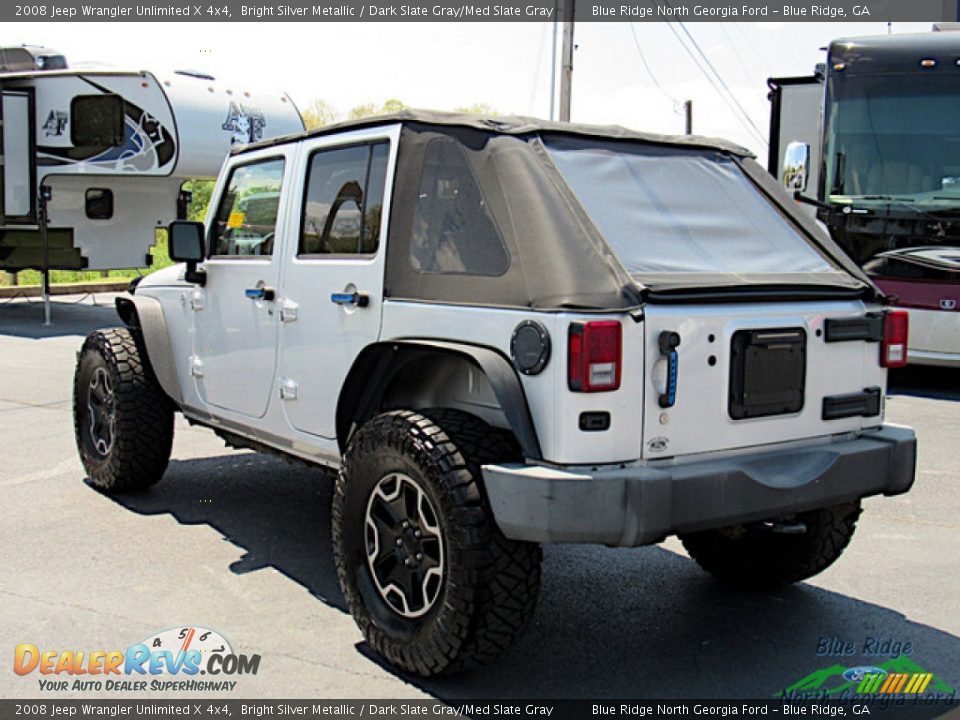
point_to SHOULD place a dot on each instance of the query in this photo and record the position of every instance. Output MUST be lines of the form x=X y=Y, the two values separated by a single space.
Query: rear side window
x=343 y=205
x=453 y=231
x=246 y=220
x=96 y=121
x=672 y=210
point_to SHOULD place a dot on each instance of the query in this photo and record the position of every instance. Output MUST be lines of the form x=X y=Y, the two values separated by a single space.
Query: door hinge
x=288 y=389
x=196 y=300
x=196 y=366
x=288 y=311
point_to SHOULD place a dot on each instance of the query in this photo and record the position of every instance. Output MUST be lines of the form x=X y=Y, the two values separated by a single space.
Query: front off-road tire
x=409 y=510
x=756 y=556
x=122 y=419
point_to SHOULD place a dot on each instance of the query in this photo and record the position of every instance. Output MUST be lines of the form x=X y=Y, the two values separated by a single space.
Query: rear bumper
x=938 y=359
x=639 y=505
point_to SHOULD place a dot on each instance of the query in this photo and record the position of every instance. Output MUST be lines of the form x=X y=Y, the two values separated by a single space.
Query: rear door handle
x=260 y=293
x=353 y=298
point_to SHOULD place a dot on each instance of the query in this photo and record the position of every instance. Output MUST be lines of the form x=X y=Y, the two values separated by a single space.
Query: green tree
x=392 y=106
x=477 y=109
x=201 y=190
x=372 y=110
x=319 y=113
x=362 y=111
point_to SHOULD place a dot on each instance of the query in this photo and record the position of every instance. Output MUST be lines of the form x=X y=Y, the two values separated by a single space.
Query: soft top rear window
x=682 y=212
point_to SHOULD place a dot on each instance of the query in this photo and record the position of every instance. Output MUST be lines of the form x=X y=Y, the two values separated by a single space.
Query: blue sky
x=506 y=65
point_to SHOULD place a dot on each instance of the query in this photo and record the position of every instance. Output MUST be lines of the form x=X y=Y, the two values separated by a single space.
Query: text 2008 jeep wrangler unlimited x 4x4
x=508 y=332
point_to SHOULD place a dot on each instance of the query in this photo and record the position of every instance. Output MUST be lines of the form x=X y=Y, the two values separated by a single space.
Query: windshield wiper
x=892 y=198
x=901 y=202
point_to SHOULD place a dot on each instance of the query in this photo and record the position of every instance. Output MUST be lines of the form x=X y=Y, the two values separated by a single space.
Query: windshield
x=678 y=211
x=894 y=139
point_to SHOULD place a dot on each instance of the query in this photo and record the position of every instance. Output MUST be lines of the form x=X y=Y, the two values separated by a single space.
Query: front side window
x=246 y=220
x=343 y=205
x=453 y=230
x=96 y=121
x=673 y=210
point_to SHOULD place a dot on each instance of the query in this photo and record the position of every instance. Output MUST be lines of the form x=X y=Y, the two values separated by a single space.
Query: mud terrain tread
x=144 y=414
x=496 y=580
x=510 y=599
x=763 y=559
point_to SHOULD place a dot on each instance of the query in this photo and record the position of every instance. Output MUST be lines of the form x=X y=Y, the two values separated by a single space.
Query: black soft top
x=506 y=126
x=539 y=248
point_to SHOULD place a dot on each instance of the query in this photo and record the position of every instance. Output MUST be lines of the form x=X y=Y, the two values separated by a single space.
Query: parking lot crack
x=62 y=604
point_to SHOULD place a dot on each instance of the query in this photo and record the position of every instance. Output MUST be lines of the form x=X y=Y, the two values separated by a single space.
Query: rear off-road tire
x=758 y=556
x=123 y=421
x=484 y=587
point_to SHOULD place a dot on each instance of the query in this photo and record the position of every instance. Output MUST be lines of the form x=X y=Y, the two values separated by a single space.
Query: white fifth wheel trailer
x=92 y=162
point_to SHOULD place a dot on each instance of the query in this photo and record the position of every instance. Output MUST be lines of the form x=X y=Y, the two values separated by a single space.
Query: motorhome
x=870 y=143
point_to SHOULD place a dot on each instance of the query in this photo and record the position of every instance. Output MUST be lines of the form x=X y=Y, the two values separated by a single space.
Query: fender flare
x=145 y=313
x=382 y=361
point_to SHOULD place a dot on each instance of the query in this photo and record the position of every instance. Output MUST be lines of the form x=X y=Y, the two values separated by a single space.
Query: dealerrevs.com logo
x=169 y=660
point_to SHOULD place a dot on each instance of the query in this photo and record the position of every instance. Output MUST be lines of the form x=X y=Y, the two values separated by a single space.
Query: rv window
x=344 y=201
x=247 y=215
x=51 y=62
x=453 y=231
x=99 y=204
x=96 y=121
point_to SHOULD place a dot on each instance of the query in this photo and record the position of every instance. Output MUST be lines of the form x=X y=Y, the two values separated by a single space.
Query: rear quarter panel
x=554 y=409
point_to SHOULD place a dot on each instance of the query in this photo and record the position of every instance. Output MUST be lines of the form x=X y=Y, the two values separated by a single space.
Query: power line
x=733 y=46
x=731 y=101
x=722 y=82
x=646 y=66
x=753 y=47
x=708 y=78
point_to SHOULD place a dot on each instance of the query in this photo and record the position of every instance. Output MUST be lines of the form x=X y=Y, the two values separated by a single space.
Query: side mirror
x=185 y=244
x=796 y=166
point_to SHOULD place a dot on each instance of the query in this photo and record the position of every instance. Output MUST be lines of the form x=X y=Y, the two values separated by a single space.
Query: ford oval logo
x=855 y=674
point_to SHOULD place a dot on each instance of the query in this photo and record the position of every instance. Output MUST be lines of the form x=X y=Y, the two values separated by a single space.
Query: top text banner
x=480 y=10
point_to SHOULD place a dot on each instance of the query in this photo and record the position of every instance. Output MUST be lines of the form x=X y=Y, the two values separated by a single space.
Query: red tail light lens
x=893 y=349
x=594 y=356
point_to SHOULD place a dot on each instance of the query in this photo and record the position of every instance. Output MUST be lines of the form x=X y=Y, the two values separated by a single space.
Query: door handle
x=260 y=293
x=352 y=298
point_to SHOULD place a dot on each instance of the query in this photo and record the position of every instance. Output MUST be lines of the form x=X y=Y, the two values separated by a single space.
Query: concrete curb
x=64 y=289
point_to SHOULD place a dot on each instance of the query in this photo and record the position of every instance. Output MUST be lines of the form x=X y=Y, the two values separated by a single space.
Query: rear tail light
x=893 y=349
x=594 y=360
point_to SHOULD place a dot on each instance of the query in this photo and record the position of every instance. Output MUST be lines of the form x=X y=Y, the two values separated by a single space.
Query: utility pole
x=688 y=116
x=553 y=61
x=566 y=76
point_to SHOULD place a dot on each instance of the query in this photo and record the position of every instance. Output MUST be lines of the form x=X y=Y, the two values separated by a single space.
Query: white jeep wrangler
x=507 y=332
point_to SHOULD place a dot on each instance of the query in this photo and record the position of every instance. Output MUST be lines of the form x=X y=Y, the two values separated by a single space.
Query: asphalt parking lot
x=239 y=542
